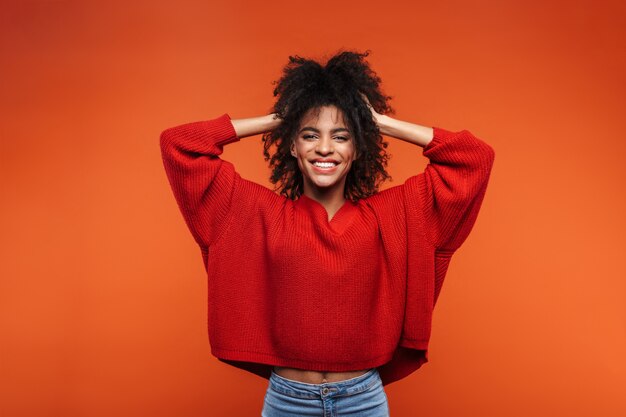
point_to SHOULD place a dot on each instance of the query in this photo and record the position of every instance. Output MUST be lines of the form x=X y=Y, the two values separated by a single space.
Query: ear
x=292 y=148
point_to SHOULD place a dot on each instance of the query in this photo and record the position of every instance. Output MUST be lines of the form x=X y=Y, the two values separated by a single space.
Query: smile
x=324 y=167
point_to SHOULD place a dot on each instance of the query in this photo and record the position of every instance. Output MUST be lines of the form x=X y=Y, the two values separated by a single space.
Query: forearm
x=409 y=132
x=255 y=125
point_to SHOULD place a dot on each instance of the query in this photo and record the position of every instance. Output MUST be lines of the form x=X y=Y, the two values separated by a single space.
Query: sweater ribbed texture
x=287 y=287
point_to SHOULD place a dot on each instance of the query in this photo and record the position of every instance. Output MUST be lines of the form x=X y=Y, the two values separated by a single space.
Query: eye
x=308 y=136
x=342 y=138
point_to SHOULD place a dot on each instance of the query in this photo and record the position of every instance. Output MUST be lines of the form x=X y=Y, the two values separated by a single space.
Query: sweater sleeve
x=451 y=189
x=202 y=183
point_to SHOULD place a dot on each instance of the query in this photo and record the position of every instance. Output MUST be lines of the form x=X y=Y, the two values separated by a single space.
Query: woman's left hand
x=377 y=116
x=409 y=132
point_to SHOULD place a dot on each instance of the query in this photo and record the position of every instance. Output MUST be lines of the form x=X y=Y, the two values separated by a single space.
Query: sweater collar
x=340 y=220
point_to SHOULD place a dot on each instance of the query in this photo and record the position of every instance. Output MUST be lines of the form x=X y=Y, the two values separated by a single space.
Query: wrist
x=272 y=121
x=384 y=123
x=254 y=125
x=409 y=132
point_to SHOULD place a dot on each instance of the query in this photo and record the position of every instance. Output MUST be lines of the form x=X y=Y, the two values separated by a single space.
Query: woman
x=327 y=287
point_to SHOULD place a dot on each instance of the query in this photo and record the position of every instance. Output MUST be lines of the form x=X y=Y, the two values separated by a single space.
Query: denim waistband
x=326 y=389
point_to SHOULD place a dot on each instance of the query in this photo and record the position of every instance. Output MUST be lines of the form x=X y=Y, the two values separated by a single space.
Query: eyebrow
x=338 y=129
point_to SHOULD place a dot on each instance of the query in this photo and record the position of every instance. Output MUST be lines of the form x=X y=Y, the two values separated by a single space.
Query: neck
x=323 y=196
x=331 y=199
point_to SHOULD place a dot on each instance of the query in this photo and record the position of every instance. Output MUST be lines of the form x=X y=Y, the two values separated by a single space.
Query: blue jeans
x=362 y=396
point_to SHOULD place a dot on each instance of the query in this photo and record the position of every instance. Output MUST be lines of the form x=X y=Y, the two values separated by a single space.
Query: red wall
x=102 y=289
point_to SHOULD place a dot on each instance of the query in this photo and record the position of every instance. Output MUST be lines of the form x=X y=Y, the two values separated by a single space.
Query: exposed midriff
x=315 y=377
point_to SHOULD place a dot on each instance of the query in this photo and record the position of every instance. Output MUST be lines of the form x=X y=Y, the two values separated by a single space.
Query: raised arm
x=202 y=183
x=451 y=189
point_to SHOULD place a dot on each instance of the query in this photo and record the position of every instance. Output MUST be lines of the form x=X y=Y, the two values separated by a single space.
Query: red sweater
x=287 y=287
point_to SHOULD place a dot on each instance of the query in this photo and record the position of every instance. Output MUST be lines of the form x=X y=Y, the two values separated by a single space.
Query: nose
x=324 y=145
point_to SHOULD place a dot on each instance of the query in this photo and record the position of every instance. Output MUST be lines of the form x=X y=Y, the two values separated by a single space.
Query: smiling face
x=325 y=150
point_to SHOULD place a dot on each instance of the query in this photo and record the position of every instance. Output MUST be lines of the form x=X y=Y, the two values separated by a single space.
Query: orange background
x=103 y=292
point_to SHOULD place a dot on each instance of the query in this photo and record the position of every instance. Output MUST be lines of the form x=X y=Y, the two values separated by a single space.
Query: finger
x=366 y=100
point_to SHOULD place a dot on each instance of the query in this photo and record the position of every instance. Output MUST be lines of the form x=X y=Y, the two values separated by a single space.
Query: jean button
x=324 y=390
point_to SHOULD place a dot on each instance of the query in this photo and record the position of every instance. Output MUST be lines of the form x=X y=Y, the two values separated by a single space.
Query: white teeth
x=324 y=164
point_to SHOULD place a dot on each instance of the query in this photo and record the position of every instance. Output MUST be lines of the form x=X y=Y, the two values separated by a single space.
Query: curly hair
x=306 y=84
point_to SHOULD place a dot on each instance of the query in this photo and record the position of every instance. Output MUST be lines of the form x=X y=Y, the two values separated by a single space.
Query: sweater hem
x=414 y=343
x=269 y=359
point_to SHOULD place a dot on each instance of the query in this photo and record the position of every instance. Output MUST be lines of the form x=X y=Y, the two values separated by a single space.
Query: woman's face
x=325 y=150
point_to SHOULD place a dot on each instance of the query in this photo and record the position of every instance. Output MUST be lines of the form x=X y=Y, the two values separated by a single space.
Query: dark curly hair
x=305 y=85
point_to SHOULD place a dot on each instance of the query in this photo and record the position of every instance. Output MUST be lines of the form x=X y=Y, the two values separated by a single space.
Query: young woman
x=326 y=288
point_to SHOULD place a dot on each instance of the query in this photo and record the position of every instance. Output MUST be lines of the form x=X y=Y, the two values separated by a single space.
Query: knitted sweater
x=288 y=287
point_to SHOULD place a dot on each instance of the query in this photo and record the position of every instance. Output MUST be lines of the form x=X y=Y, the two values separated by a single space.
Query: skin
x=323 y=133
x=328 y=188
